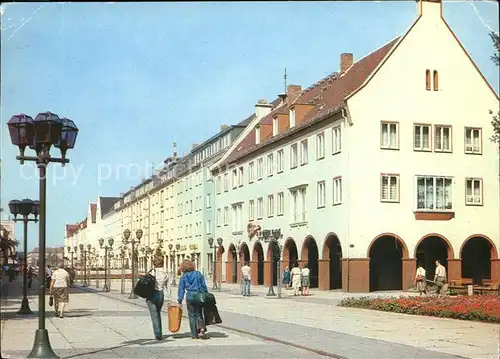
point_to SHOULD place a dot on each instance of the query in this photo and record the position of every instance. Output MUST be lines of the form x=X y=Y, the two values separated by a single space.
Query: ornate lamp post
x=106 y=259
x=214 y=246
x=138 y=235
x=172 y=263
x=122 y=259
x=40 y=134
x=83 y=255
x=25 y=208
x=272 y=237
x=96 y=264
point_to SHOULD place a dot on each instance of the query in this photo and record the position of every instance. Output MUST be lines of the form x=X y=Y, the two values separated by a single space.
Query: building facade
x=373 y=168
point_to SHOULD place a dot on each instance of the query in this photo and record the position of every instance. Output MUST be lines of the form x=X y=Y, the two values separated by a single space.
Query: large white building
x=379 y=165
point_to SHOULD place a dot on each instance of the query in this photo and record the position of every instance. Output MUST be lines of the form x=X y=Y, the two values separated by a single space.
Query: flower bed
x=478 y=308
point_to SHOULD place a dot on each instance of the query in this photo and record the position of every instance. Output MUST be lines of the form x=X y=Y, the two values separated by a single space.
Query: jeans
x=196 y=321
x=154 y=306
x=246 y=287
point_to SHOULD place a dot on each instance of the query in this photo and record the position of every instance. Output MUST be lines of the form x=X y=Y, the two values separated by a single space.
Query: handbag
x=202 y=299
x=145 y=285
x=51 y=301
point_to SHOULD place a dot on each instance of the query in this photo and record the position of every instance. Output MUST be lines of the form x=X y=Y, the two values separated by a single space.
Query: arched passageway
x=310 y=256
x=258 y=256
x=290 y=253
x=232 y=265
x=476 y=254
x=332 y=251
x=431 y=248
x=273 y=256
x=244 y=253
x=386 y=253
x=218 y=263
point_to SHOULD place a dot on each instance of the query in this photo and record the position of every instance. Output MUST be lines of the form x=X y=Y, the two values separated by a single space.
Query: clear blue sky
x=137 y=76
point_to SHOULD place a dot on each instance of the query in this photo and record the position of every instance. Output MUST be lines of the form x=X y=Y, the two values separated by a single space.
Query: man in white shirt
x=440 y=277
x=246 y=276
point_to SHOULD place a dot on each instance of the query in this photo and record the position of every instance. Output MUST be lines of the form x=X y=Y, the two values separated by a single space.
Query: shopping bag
x=174 y=318
x=145 y=286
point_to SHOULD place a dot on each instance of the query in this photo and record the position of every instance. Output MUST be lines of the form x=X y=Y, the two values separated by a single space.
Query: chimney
x=195 y=144
x=293 y=91
x=346 y=61
x=430 y=8
x=262 y=108
x=282 y=97
x=223 y=127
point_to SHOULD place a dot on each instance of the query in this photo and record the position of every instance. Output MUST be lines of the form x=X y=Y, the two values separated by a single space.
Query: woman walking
x=296 y=279
x=420 y=280
x=191 y=283
x=286 y=277
x=305 y=279
x=155 y=303
x=59 y=290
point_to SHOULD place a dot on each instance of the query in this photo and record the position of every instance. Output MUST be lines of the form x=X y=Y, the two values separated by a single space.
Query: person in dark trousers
x=155 y=303
x=192 y=282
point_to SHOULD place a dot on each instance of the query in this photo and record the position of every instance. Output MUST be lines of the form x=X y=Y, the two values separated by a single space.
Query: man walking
x=440 y=277
x=246 y=275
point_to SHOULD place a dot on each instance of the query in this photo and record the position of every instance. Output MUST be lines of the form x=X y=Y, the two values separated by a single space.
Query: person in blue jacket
x=192 y=282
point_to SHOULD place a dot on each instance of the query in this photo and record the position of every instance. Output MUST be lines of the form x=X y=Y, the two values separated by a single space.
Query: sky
x=135 y=77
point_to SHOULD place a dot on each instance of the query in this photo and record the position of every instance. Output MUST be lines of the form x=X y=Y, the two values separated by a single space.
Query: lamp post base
x=41 y=346
x=132 y=296
x=25 y=307
x=271 y=292
x=214 y=286
x=105 y=288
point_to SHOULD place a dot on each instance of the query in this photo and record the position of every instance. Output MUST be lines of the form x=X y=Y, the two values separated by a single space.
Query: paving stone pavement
x=101 y=327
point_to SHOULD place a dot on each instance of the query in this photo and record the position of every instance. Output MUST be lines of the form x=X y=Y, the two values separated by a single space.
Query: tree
x=495 y=122
x=7 y=245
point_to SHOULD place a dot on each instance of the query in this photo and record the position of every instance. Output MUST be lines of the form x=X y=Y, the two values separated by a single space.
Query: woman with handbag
x=192 y=284
x=161 y=290
x=59 y=290
x=420 y=280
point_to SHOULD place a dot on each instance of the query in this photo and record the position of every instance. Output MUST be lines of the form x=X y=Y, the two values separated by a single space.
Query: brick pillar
x=267 y=274
x=409 y=272
x=229 y=272
x=356 y=275
x=454 y=270
x=254 y=271
x=238 y=275
x=324 y=274
x=495 y=270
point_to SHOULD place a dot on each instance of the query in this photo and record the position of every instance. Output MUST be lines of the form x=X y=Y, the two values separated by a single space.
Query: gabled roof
x=106 y=204
x=71 y=229
x=327 y=94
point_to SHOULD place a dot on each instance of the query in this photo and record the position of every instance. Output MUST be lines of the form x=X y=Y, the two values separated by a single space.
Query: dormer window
x=275 y=126
x=292 y=118
x=257 y=135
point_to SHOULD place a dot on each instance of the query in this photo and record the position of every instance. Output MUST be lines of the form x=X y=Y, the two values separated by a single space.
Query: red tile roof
x=71 y=229
x=325 y=95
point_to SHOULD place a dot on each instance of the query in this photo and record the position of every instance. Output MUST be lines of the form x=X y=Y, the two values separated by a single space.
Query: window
x=292 y=118
x=428 y=80
x=257 y=135
x=434 y=193
x=336 y=140
x=251 y=210
x=304 y=154
x=473 y=140
x=474 y=191
x=235 y=178
x=209 y=200
x=389 y=188
x=442 y=138
x=275 y=126
x=281 y=204
x=270 y=164
x=218 y=184
x=237 y=217
x=251 y=172
x=226 y=215
x=320 y=146
x=298 y=198
x=294 y=156
x=321 y=193
x=337 y=190
x=226 y=182
x=421 y=138
x=240 y=177
x=280 y=161
x=260 y=168
x=209 y=226
x=260 y=208
x=390 y=136
x=435 y=80
x=270 y=205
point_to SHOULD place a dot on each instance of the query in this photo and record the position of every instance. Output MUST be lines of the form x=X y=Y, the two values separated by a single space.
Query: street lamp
x=106 y=258
x=215 y=246
x=83 y=256
x=40 y=134
x=25 y=208
x=172 y=263
x=272 y=237
x=138 y=235
x=122 y=257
